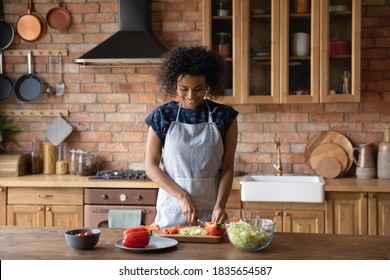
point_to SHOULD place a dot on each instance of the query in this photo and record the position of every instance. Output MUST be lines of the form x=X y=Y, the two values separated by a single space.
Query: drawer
x=46 y=196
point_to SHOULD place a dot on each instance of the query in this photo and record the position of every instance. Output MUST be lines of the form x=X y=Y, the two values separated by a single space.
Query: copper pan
x=58 y=17
x=31 y=26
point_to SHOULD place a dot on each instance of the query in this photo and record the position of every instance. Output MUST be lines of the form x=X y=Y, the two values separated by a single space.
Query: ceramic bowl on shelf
x=260 y=11
x=250 y=234
x=82 y=239
x=338 y=8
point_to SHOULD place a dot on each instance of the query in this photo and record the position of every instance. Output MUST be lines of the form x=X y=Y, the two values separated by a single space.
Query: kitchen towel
x=124 y=218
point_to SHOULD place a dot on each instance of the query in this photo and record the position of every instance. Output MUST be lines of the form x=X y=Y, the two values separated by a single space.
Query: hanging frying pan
x=58 y=17
x=6 y=30
x=31 y=26
x=6 y=84
x=29 y=86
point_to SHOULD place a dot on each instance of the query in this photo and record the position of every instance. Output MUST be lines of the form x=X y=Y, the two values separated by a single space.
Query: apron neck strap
x=210 y=113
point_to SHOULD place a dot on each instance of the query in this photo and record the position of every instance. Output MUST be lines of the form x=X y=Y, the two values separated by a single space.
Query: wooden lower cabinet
x=45 y=215
x=233 y=205
x=62 y=207
x=3 y=206
x=291 y=217
x=358 y=213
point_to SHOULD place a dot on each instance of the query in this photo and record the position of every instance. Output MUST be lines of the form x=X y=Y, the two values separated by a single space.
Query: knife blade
x=200 y=222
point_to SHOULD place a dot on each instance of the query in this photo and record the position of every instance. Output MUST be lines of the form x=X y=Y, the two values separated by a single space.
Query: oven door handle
x=99 y=210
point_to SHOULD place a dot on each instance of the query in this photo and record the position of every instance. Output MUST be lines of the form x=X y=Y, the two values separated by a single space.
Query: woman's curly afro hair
x=195 y=60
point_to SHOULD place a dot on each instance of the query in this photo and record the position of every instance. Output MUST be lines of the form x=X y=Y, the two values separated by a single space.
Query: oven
x=98 y=201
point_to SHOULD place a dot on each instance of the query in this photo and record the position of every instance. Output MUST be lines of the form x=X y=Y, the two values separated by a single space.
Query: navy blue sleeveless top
x=161 y=118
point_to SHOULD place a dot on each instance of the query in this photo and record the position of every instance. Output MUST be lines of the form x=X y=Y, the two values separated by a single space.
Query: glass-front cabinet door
x=287 y=51
x=260 y=51
x=340 y=55
x=300 y=45
x=221 y=24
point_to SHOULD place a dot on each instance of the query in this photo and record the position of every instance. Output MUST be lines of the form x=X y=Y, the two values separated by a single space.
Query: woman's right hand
x=189 y=209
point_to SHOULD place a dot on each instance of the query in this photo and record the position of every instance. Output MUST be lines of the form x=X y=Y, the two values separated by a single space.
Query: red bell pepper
x=214 y=228
x=135 y=237
x=171 y=230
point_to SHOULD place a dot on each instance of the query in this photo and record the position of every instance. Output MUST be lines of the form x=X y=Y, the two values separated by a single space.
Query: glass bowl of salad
x=250 y=234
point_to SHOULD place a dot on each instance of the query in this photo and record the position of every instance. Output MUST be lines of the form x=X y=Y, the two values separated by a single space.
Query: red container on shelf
x=339 y=48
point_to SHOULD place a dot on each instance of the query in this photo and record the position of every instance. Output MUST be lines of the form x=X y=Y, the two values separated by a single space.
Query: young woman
x=191 y=139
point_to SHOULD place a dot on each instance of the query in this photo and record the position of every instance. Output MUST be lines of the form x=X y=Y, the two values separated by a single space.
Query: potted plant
x=8 y=129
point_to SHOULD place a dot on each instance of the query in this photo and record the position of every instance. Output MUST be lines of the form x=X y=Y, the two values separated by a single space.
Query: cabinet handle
x=277 y=213
x=286 y=214
x=363 y=195
x=1 y=189
x=45 y=195
x=372 y=195
x=48 y=209
x=40 y=208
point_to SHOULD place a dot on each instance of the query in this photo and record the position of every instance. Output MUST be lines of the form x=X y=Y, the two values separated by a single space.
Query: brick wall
x=108 y=106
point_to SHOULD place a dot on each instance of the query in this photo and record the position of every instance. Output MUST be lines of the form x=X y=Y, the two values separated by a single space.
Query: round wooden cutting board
x=332 y=137
x=329 y=168
x=329 y=150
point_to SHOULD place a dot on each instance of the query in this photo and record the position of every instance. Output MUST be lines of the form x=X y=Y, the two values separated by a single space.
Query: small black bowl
x=82 y=242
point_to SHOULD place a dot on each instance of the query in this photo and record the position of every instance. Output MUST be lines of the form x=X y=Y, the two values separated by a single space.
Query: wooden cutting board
x=191 y=238
x=15 y=165
x=329 y=150
x=329 y=137
x=329 y=168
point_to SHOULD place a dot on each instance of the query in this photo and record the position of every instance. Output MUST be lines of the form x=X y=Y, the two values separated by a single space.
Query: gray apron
x=192 y=157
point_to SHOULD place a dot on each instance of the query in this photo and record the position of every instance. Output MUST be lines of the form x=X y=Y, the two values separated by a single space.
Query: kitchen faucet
x=278 y=166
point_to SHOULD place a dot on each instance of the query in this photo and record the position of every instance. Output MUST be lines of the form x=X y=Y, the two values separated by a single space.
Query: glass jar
x=223 y=8
x=74 y=161
x=87 y=164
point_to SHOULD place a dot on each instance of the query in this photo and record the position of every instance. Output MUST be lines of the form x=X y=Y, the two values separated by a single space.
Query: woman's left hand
x=219 y=215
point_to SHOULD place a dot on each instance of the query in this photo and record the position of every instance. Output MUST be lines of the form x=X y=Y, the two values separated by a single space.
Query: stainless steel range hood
x=133 y=44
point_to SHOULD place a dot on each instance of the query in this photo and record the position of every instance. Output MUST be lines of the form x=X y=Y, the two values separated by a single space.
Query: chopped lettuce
x=243 y=235
x=192 y=231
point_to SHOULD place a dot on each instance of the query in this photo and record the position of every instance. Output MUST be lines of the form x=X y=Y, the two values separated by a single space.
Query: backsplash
x=108 y=106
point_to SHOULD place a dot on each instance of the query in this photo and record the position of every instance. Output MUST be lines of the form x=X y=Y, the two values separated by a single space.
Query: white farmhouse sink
x=287 y=188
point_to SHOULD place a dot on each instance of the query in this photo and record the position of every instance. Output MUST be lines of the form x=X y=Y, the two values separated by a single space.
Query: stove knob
x=104 y=197
x=122 y=197
x=138 y=197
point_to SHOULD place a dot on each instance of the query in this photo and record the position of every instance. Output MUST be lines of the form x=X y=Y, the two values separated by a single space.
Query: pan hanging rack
x=37 y=52
x=34 y=113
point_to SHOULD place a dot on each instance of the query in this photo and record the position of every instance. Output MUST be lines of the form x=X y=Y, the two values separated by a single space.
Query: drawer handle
x=45 y=195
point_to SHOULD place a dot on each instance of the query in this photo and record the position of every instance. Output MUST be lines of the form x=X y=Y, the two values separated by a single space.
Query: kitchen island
x=48 y=243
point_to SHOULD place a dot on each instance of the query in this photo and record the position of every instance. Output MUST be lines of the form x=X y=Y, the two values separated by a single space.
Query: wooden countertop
x=75 y=181
x=43 y=243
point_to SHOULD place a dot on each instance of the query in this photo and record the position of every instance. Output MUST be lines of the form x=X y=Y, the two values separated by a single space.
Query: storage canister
x=49 y=159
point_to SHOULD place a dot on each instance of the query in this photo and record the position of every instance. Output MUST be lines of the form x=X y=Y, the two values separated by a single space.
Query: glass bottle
x=223 y=46
x=384 y=156
x=36 y=160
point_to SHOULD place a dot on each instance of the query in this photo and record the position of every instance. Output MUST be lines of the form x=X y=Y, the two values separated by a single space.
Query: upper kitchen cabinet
x=297 y=51
x=221 y=20
x=340 y=52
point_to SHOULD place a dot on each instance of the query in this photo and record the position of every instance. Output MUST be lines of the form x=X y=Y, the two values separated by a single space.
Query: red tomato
x=215 y=228
x=84 y=233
